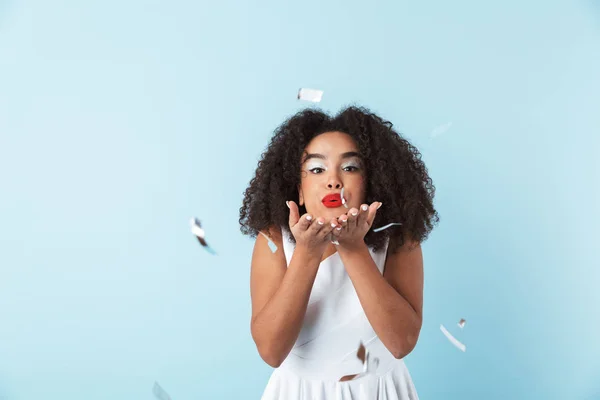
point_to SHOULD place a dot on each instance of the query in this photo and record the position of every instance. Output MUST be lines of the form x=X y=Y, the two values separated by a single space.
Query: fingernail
x=354 y=214
x=333 y=225
x=320 y=222
x=308 y=217
x=339 y=229
x=287 y=203
x=380 y=204
x=365 y=207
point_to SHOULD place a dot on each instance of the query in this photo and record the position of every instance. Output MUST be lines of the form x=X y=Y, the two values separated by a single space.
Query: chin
x=326 y=212
x=337 y=211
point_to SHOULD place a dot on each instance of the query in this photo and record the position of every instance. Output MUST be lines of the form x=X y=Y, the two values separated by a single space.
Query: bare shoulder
x=409 y=245
x=267 y=269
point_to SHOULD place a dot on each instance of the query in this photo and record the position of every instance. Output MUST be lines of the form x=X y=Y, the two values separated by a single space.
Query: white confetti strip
x=272 y=244
x=343 y=198
x=440 y=129
x=371 y=364
x=452 y=339
x=313 y=95
x=197 y=230
x=159 y=392
x=386 y=226
x=461 y=323
x=366 y=362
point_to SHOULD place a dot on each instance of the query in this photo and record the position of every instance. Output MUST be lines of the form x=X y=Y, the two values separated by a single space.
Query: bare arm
x=393 y=301
x=279 y=296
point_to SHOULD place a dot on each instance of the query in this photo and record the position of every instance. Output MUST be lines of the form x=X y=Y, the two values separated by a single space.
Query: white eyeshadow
x=312 y=164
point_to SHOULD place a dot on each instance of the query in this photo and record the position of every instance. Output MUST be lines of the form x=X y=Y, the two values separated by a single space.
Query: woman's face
x=331 y=163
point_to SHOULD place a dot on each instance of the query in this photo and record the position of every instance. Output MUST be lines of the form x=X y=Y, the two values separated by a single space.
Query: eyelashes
x=349 y=168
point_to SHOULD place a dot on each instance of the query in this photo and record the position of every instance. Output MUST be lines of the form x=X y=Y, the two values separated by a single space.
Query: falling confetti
x=348 y=377
x=361 y=353
x=452 y=339
x=272 y=244
x=313 y=95
x=375 y=364
x=368 y=366
x=200 y=235
x=343 y=199
x=159 y=392
x=440 y=129
x=386 y=226
x=461 y=323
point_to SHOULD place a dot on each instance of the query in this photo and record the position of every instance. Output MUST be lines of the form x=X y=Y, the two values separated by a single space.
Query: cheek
x=358 y=182
x=308 y=187
x=311 y=190
x=359 y=187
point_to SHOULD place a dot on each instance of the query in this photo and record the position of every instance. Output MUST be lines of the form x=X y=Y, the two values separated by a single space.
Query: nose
x=334 y=183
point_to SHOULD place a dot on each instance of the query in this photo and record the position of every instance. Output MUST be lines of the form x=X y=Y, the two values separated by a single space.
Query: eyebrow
x=348 y=154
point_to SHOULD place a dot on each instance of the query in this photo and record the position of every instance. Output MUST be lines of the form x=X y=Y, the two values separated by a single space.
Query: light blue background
x=121 y=120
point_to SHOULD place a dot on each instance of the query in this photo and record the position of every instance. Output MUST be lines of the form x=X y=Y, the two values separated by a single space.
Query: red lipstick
x=332 y=200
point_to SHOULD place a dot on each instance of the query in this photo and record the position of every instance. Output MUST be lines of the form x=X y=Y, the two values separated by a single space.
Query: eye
x=350 y=168
x=316 y=170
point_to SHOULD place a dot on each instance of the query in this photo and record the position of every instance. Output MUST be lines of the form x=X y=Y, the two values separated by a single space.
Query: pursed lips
x=332 y=200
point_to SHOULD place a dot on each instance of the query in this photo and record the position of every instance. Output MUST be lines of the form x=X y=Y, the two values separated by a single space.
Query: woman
x=334 y=285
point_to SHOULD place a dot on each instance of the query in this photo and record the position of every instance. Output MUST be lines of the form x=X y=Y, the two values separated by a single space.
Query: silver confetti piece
x=440 y=129
x=343 y=199
x=313 y=95
x=362 y=353
x=197 y=230
x=386 y=226
x=369 y=366
x=452 y=339
x=159 y=392
x=375 y=364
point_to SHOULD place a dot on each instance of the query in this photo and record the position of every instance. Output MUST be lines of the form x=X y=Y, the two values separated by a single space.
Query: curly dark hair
x=395 y=175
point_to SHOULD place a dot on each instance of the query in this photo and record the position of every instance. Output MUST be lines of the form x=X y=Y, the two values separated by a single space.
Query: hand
x=355 y=224
x=310 y=233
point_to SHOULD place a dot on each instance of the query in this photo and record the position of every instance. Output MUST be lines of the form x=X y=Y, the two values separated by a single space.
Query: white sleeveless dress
x=334 y=326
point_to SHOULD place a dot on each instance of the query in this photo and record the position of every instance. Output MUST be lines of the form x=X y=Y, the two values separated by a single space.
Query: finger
x=373 y=212
x=352 y=217
x=305 y=222
x=362 y=215
x=336 y=230
x=316 y=227
x=336 y=226
x=294 y=214
x=329 y=227
x=343 y=222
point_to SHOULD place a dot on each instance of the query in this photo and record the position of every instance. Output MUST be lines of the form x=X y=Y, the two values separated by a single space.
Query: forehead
x=331 y=143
